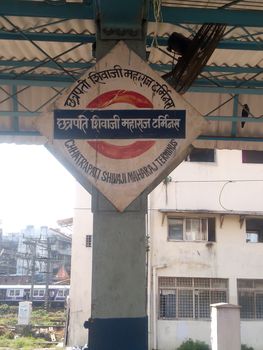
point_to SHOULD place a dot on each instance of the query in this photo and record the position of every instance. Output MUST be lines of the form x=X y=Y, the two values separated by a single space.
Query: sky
x=35 y=189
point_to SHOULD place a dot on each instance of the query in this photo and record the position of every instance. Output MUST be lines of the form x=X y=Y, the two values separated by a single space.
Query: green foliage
x=42 y=317
x=199 y=345
x=245 y=347
x=8 y=309
x=193 y=345
x=8 y=320
x=9 y=314
x=24 y=343
x=28 y=339
x=4 y=341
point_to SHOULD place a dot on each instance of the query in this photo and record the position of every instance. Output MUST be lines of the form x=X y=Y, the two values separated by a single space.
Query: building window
x=39 y=292
x=254 y=230
x=60 y=293
x=14 y=292
x=11 y=293
x=250 y=298
x=186 y=297
x=191 y=229
x=201 y=155
x=255 y=157
x=88 y=241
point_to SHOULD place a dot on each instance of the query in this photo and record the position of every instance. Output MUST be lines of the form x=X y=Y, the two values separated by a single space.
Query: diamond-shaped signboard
x=120 y=127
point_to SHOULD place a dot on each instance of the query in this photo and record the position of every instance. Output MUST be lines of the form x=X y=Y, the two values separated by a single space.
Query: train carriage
x=12 y=294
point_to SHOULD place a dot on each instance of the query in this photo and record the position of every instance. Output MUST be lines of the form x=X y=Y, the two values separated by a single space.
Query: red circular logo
x=108 y=149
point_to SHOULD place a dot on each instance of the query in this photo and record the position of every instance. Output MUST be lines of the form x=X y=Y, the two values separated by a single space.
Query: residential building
x=205 y=229
x=41 y=250
x=80 y=297
x=8 y=249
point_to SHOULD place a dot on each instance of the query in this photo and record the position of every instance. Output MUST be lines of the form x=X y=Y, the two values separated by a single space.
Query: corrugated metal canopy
x=47 y=45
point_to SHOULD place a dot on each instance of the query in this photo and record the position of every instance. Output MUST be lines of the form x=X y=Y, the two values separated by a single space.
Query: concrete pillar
x=118 y=302
x=225 y=327
x=119 y=294
x=24 y=313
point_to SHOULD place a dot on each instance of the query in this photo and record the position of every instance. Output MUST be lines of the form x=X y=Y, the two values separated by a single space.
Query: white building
x=205 y=228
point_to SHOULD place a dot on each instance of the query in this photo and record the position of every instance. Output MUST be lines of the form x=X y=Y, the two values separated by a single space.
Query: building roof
x=47 y=45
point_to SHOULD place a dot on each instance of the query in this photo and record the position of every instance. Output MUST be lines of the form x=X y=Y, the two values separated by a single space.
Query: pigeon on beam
x=244 y=114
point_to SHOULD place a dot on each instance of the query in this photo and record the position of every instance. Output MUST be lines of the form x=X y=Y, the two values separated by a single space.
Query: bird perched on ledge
x=244 y=114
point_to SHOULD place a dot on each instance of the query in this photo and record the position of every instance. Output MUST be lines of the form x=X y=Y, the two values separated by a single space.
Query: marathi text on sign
x=119 y=124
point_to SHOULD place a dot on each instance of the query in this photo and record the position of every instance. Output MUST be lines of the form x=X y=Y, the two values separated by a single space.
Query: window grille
x=88 y=241
x=184 y=282
x=185 y=297
x=202 y=282
x=167 y=303
x=250 y=298
x=167 y=281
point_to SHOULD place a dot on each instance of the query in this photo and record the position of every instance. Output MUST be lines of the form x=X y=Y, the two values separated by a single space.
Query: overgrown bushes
x=245 y=347
x=193 y=345
x=8 y=309
x=199 y=345
x=25 y=343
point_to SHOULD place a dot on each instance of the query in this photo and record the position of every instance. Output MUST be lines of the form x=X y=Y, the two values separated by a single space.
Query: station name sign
x=119 y=124
x=120 y=127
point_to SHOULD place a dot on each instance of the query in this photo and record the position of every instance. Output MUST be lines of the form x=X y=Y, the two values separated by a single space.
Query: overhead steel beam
x=118 y=20
x=200 y=82
x=187 y=15
x=49 y=64
x=60 y=81
x=223 y=44
x=174 y=15
x=90 y=38
x=233 y=69
x=55 y=37
x=240 y=45
x=212 y=69
x=155 y=66
x=34 y=82
x=229 y=83
x=230 y=138
x=227 y=90
x=19 y=114
x=68 y=10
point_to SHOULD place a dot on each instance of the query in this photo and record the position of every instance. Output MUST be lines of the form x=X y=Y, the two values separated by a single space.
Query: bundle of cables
x=194 y=53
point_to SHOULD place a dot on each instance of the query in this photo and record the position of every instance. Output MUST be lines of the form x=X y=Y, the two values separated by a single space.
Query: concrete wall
x=80 y=287
x=198 y=185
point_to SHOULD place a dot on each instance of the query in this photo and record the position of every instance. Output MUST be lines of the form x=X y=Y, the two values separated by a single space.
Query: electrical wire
x=157 y=5
x=220 y=195
x=217 y=181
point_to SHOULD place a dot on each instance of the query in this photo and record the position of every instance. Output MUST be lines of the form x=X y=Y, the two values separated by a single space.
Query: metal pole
x=33 y=269
x=47 y=272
